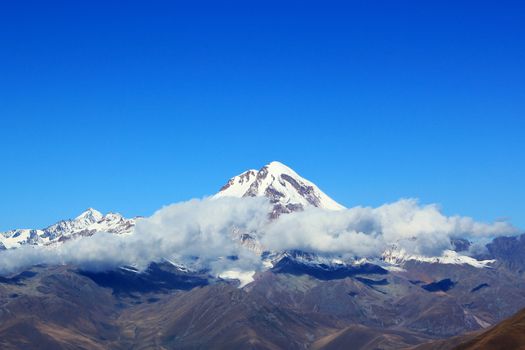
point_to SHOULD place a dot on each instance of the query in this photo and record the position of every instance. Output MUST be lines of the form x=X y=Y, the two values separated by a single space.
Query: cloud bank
x=202 y=233
x=366 y=231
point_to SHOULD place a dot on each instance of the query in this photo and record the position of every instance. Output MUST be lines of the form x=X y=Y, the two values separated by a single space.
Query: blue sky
x=129 y=106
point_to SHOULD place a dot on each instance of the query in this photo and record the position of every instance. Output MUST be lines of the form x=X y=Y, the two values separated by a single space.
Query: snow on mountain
x=88 y=223
x=283 y=186
x=285 y=189
x=244 y=277
x=398 y=256
x=291 y=192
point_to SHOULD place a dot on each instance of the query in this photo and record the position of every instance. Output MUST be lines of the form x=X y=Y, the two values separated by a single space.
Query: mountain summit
x=89 y=216
x=284 y=187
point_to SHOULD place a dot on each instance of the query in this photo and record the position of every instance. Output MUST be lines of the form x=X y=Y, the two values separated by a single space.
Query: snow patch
x=398 y=256
x=244 y=277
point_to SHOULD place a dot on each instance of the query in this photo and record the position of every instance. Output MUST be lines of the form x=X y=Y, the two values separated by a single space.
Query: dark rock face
x=371 y=282
x=460 y=244
x=279 y=209
x=273 y=194
x=157 y=278
x=291 y=266
x=307 y=192
x=508 y=251
x=244 y=177
x=439 y=286
x=17 y=279
x=479 y=287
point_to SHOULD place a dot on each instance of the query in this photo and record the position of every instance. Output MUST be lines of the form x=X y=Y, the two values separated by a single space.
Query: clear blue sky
x=130 y=105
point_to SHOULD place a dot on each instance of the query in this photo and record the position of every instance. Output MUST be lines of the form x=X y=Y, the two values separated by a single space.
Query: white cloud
x=182 y=231
x=203 y=229
x=366 y=231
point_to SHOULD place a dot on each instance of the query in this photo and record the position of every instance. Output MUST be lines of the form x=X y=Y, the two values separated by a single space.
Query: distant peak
x=90 y=214
x=91 y=211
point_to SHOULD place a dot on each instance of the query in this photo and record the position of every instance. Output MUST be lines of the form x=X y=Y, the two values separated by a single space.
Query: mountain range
x=301 y=299
x=87 y=223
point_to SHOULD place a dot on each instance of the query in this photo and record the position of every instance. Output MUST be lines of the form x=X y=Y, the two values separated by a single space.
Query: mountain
x=284 y=187
x=296 y=300
x=87 y=223
x=508 y=334
x=63 y=307
x=288 y=192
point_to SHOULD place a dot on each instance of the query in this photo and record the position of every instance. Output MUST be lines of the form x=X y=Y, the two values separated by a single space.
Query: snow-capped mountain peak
x=90 y=215
x=282 y=185
x=87 y=223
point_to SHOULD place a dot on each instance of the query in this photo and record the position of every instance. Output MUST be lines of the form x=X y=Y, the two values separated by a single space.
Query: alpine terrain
x=295 y=299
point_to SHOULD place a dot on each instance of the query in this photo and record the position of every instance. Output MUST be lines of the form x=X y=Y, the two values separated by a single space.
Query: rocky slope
x=284 y=308
x=509 y=334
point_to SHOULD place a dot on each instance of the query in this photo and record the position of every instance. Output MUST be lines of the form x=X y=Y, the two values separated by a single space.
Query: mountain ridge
x=87 y=223
x=285 y=189
x=299 y=299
